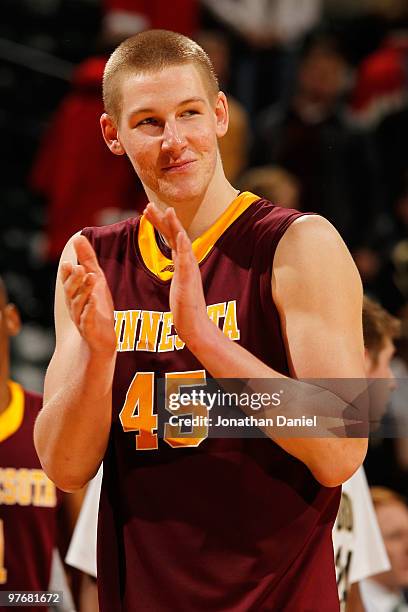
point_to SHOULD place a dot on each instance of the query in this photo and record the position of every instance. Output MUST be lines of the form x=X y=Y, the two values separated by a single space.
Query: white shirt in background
x=82 y=549
x=359 y=549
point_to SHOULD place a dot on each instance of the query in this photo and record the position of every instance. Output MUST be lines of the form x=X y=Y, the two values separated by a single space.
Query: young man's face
x=168 y=127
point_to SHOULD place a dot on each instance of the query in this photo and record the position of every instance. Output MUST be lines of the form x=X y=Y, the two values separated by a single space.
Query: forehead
x=164 y=88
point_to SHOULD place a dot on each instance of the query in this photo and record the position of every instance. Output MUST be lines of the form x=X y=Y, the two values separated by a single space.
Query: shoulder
x=109 y=238
x=270 y=223
x=111 y=232
x=310 y=235
x=312 y=263
x=270 y=217
x=310 y=224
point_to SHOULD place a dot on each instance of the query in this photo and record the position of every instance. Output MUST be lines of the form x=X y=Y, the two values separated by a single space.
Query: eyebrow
x=139 y=111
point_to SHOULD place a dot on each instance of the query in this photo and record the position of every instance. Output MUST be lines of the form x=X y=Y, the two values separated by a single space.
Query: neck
x=198 y=214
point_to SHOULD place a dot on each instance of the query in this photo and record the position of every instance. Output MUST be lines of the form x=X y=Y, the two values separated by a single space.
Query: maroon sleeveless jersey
x=28 y=500
x=199 y=524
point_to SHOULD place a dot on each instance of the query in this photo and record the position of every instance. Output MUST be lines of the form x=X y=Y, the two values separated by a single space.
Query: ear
x=221 y=114
x=110 y=135
x=12 y=319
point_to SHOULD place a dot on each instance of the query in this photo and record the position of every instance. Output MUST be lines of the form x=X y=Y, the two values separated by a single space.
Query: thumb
x=85 y=254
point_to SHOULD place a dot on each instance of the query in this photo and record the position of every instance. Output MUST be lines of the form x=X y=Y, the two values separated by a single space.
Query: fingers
x=174 y=225
x=166 y=222
x=72 y=277
x=85 y=254
x=66 y=270
x=78 y=285
x=159 y=220
x=185 y=261
x=170 y=226
x=82 y=298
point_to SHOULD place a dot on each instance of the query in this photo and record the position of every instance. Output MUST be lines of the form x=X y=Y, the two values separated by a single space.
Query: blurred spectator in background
x=135 y=16
x=390 y=284
x=361 y=23
x=358 y=547
x=265 y=35
x=309 y=137
x=73 y=169
x=379 y=103
x=382 y=76
x=234 y=145
x=273 y=183
x=392 y=142
x=381 y=330
x=385 y=592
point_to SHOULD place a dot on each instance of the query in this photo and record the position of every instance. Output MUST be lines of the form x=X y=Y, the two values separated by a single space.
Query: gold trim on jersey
x=12 y=417
x=161 y=265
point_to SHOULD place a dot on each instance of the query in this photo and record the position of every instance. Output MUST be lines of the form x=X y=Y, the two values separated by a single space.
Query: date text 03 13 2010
x=30 y=598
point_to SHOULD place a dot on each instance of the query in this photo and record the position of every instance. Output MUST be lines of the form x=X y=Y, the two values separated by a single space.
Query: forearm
x=332 y=458
x=72 y=430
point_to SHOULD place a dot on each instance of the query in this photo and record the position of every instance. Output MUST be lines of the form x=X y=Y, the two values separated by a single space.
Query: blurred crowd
x=318 y=95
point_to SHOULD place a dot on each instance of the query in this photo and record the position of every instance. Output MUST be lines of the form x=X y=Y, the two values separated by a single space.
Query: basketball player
x=358 y=545
x=208 y=280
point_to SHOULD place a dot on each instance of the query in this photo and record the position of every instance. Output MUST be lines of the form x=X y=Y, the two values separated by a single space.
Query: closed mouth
x=179 y=166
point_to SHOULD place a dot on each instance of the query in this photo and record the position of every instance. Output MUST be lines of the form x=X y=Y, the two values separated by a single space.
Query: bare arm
x=321 y=322
x=71 y=432
x=318 y=293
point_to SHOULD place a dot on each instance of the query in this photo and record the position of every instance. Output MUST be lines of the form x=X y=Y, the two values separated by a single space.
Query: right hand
x=89 y=299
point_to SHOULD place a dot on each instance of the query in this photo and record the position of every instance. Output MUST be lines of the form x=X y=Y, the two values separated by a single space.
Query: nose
x=174 y=141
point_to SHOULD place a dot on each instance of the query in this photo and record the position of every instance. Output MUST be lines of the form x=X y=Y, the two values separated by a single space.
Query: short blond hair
x=148 y=52
x=378 y=325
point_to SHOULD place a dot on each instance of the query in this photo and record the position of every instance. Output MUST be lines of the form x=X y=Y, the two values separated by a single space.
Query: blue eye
x=148 y=121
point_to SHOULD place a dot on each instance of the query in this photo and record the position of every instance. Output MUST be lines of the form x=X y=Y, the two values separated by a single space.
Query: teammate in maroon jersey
x=28 y=499
x=35 y=517
x=238 y=288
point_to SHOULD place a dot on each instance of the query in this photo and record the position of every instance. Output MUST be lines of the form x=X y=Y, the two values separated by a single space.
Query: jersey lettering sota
x=202 y=523
x=28 y=500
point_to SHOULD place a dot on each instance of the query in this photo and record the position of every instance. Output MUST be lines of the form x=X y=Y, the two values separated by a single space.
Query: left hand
x=187 y=302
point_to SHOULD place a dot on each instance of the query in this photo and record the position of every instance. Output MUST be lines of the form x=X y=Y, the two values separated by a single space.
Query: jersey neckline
x=12 y=417
x=162 y=266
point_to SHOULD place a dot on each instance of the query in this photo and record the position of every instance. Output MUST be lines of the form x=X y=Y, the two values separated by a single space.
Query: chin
x=182 y=193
